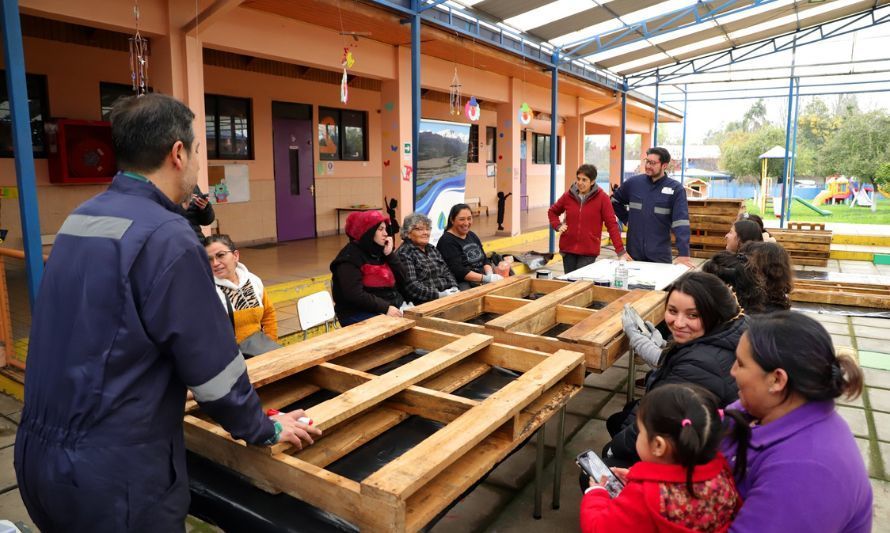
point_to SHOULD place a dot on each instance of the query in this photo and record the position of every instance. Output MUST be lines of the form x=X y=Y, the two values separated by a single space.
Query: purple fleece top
x=805 y=473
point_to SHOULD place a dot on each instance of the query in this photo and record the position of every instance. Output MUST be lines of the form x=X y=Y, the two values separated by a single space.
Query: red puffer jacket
x=585 y=221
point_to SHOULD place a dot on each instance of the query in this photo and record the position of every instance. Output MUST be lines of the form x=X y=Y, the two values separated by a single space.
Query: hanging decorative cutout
x=347 y=61
x=348 y=58
x=525 y=114
x=472 y=109
x=454 y=99
x=138 y=57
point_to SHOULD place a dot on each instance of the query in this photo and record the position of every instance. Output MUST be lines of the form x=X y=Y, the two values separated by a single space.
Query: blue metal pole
x=623 y=128
x=554 y=119
x=17 y=90
x=786 y=167
x=655 y=131
x=683 y=150
x=415 y=96
x=793 y=148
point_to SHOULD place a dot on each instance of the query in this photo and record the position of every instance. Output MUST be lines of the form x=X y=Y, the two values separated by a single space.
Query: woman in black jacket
x=705 y=322
x=366 y=275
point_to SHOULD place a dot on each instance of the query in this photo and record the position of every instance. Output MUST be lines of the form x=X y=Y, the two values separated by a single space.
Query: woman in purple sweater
x=796 y=462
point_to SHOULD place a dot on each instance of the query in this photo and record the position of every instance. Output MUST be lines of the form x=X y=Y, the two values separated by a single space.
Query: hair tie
x=720 y=412
x=686 y=422
x=836 y=373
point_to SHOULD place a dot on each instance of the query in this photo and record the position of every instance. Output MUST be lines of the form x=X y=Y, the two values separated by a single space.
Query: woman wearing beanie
x=366 y=274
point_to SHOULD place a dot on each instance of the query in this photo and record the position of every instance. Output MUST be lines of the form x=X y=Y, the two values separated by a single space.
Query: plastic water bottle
x=620 y=275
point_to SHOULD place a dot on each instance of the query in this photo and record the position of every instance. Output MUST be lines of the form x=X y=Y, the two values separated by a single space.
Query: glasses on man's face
x=653 y=162
x=218 y=256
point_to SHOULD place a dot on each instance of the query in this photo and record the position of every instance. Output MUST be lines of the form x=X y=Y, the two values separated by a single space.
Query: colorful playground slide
x=822 y=197
x=822 y=212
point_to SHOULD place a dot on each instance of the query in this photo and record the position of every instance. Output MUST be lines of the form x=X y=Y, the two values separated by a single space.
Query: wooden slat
x=462 y=311
x=569 y=314
x=601 y=327
x=291 y=359
x=371 y=357
x=539 y=315
x=855 y=299
x=441 y=304
x=351 y=402
x=500 y=305
x=342 y=440
x=408 y=473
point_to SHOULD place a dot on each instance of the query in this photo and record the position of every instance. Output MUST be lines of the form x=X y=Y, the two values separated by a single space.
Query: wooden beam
x=604 y=325
x=210 y=15
x=500 y=305
x=404 y=476
x=437 y=306
x=538 y=315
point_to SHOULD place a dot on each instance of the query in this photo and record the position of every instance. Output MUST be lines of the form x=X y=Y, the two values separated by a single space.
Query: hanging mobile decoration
x=138 y=57
x=347 y=61
x=454 y=102
x=472 y=109
x=525 y=114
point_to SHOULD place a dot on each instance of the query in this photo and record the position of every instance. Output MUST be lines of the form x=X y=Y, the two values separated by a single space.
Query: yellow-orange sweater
x=253 y=309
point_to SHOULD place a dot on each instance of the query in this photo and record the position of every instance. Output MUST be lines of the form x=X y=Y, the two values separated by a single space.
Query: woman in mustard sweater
x=244 y=291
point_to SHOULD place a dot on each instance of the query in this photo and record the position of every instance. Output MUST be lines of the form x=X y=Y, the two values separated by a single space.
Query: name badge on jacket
x=667 y=190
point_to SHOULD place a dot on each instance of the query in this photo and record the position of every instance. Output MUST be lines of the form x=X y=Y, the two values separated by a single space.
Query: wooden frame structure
x=523 y=322
x=408 y=492
x=841 y=293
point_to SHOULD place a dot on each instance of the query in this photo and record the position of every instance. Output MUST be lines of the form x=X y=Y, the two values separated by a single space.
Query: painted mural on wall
x=441 y=174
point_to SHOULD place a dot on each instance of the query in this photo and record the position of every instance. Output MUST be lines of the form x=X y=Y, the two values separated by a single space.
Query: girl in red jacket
x=683 y=483
x=586 y=207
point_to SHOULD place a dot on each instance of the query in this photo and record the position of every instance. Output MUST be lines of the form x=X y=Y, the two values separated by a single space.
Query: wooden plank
x=539 y=315
x=594 y=294
x=841 y=298
x=500 y=305
x=569 y=314
x=606 y=323
x=441 y=304
x=463 y=311
x=289 y=360
x=353 y=401
x=408 y=473
x=371 y=357
x=546 y=286
x=520 y=289
x=510 y=357
x=342 y=440
x=457 y=376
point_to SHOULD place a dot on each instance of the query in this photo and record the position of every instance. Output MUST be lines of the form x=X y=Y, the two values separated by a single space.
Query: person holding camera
x=198 y=212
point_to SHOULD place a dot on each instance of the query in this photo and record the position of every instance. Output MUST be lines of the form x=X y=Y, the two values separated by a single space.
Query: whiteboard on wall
x=228 y=184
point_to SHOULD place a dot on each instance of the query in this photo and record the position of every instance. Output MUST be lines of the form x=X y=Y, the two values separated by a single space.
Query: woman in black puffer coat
x=706 y=323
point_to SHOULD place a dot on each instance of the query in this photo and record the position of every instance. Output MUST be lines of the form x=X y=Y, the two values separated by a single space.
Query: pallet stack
x=841 y=293
x=805 y=246
x=709 y=222
x=407 y=492
x=544 y=315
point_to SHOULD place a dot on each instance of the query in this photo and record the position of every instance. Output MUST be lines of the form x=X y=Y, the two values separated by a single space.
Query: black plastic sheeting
x=224 y=498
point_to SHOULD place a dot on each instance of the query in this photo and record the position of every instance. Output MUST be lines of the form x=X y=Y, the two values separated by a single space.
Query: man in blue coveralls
x=654 y=205
x=127 y=318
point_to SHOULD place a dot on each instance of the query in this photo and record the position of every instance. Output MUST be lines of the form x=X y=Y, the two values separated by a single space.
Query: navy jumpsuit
x=127 y=317
x=655 y=210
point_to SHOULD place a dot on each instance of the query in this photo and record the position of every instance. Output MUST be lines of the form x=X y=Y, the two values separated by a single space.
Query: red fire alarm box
x=80 y=151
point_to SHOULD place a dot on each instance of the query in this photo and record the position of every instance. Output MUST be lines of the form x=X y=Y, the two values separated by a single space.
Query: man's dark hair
x=144 y=129
x=663 y=155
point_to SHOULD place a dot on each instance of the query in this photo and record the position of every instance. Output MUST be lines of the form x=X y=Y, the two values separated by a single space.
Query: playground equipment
x=822 y=212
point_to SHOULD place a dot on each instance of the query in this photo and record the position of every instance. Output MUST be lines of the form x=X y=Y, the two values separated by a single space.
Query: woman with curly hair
x=737 y=272
x=773 y=264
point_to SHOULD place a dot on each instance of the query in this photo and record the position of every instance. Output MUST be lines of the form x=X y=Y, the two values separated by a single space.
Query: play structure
x=840 y=189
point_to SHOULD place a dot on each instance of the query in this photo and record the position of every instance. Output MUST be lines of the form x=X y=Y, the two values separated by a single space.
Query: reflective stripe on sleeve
x=662 y=210
x=635 y=205
x=95 y=226
x=678 y=223
x=220 y=384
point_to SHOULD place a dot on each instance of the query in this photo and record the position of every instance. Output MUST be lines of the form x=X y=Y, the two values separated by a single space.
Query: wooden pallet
x=806 y=247
x=515 y=319
x=408 y=492
x=806 y=226
x=841 y=293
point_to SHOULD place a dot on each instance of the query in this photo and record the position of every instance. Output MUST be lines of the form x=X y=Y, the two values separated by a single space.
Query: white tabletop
x=638 y=272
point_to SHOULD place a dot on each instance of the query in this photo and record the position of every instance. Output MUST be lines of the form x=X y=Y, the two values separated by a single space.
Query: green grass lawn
x=839 y=213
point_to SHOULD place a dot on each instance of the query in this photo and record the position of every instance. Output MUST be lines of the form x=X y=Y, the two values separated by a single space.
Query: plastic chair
x=315 y=310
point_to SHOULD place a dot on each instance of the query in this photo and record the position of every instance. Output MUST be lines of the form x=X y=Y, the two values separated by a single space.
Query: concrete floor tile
x=592 y=436
x=7 y=473
x=836 y=328
x=824 y=317
x=7 y=432
x=13 y=509
x=877 y=360
x=8 y=404
x=873 y=345
x=881 y=509
x=842 y=340
x=865 y=450
x=869 y=321
x=473 y=513
x=856 y=420
x=587 y=402
x=518 y=470
x=879 y=399
x=882 y=425
x=872 y=332
x=852 y=403
x=877 y=378
x=573 y=424
x=616 y=404
x=608 y=379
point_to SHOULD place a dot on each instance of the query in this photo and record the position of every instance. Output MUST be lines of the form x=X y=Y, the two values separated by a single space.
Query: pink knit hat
x=359 y=222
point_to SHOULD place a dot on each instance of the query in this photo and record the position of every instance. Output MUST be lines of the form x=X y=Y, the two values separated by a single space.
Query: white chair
x=315 y=310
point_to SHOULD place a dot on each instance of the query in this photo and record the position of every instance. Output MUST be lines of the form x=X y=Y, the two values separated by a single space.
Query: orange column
x=508 y=158
x=615 y=156
x=574 y=142
x=395 y=126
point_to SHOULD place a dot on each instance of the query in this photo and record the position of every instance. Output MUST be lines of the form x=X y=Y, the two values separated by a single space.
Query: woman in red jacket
x=586 y=208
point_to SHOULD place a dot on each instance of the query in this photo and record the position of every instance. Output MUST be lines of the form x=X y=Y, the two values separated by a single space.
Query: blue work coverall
x=652 y=210
x=127 y=318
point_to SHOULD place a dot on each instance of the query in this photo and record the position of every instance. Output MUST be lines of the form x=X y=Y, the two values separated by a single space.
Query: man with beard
x=654 y=205
x=127 y=318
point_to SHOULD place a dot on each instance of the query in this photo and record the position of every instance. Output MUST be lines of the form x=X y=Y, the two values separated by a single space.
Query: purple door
x=523 y=178
x=294 y=179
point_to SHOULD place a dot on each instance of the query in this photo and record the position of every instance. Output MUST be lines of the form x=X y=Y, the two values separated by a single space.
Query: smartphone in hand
x=595 y=468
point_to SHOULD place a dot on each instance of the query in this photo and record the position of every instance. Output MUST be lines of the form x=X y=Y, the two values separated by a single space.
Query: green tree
x=740 y=151
x=755 y=117
x=860 y=147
